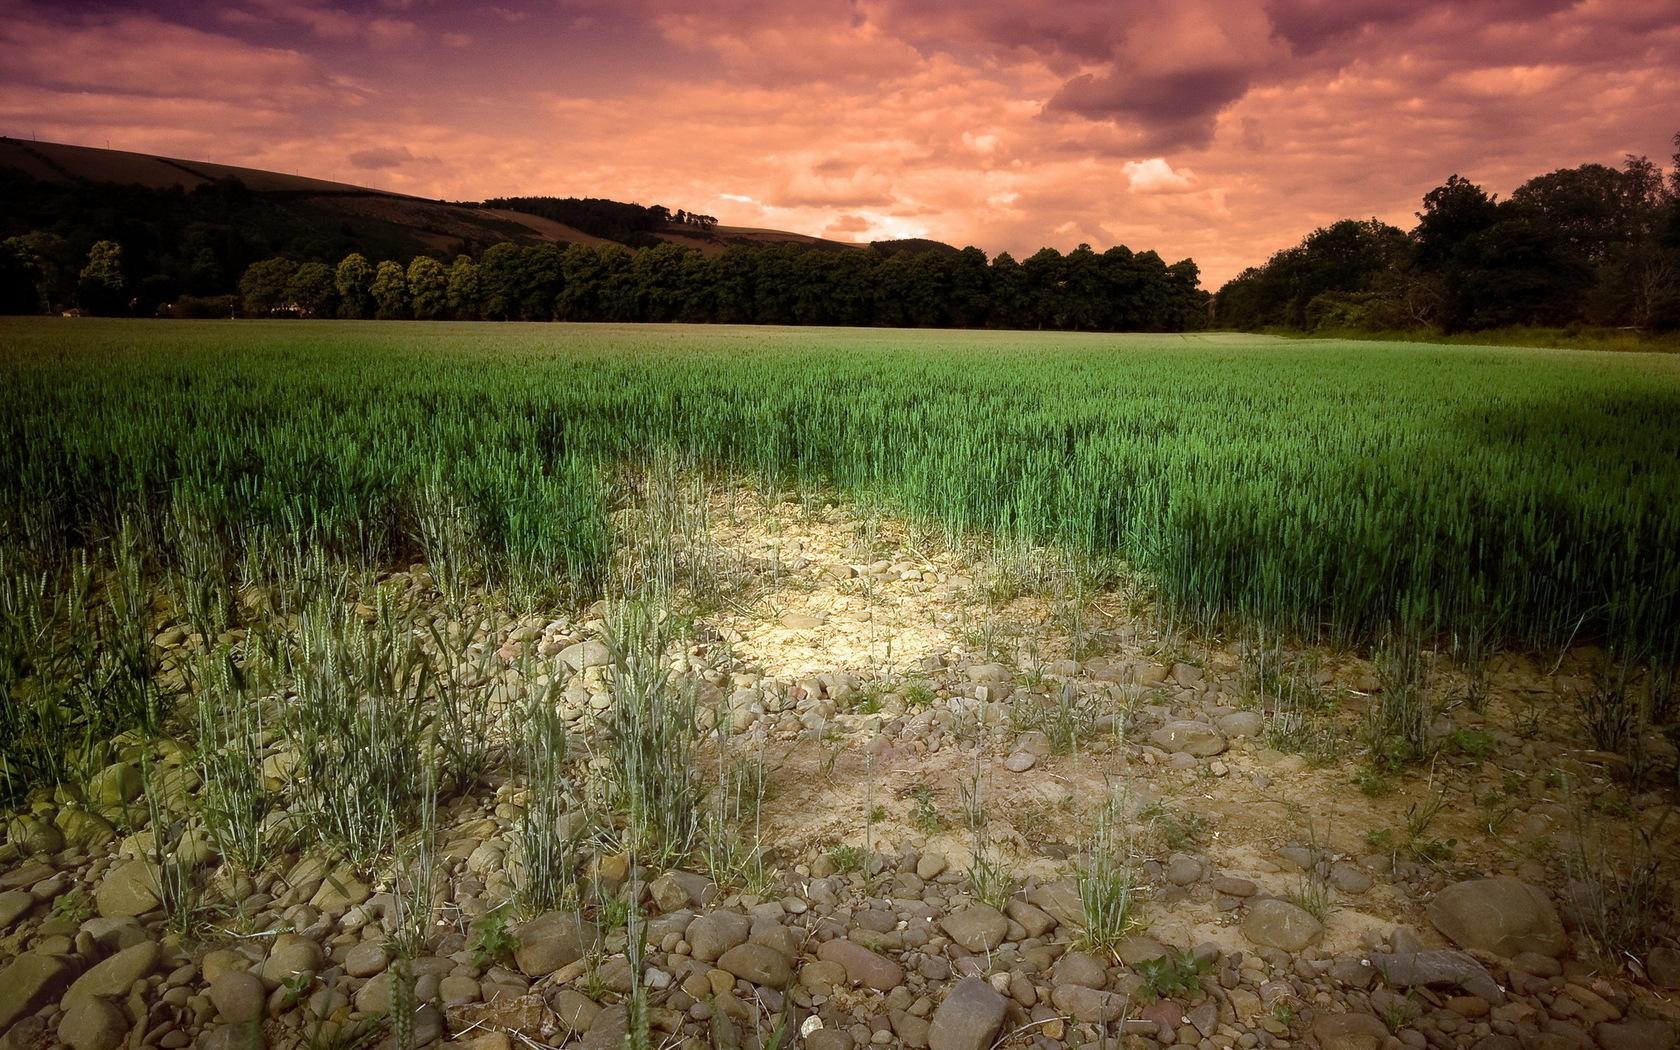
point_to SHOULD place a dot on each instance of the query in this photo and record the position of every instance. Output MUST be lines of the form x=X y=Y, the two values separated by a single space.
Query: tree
x=1452 y=213
x=100 y=288
x=461 y=296
x=312 y=289
x=354 y=281
x=263 y=287
x=428 y=287
x=390 y=291
x=498 y=281
x=20 y=281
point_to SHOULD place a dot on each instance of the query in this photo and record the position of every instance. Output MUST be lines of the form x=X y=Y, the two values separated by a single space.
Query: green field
x=1334 y=490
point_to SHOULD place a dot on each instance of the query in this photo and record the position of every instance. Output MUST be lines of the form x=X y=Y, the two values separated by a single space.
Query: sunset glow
x=1216 y=129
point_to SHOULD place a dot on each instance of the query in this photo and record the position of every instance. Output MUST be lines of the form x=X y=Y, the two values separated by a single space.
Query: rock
x=862 y=966
x=1274 y=923
x=31 y=981
x=33 y=835
x=1234 y=887
x=1189 y=738
x=14 y=904
x=1241 y=723
x=115 y=785
x=1089 y=1005
x=115 y=976
x=969 y=1017
x=550 y=941
x=1635 y=1033
x=1502 y=916
x=1349 y=1032
x=290 y=956
x=1182 y=870
x=1348 y=879
x=1662 y=966
x=94 y=1024
x=930 y=866
x=84 y=829
x=248 y=1036
x=978 y=927
x=127 y=890
x=1036 y=921
x=587 y=654
x=1431 y=969
x=1082 y=969
x=714 y=933
x=239 y=997
x=758 y=964
x=1020 y=762
x=575 y=1010
x=1061 y=901
x=829 y=1039
x=366 y=959
x=676 y=890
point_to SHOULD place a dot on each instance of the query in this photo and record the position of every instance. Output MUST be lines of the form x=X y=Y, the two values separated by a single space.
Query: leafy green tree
x=20 y=281
x=461 y=296
x=390 y=291
x=354 y=281
x=428 y=287
x=101 y=286
x=263 y=288
x=499 y=281
x=312 y=288
x=53 y=260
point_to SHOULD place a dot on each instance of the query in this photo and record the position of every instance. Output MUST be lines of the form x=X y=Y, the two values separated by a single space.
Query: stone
x=930 y=866
x=115 y=785
x=114 y=976
x=1662 y=966
x=584 y=655
x=1061 y=901
x=758 y=964
x=1348 y=879
x=1240 y=724
x=1189 y=738
x=1036 y=921
x=1635 y=1033
x=676 y=890
x=239 y=997
x=366 y=959
x=1349 y=1032
x=1234 y=887
x=1082 y=969
x=862 y=966
x=31 y=981
x=968 y=1018
x=575 y=1010
x=978 y=927
x=94 y=1024
x=127 y=890
x=1437 y=968
x=1502 y=916
x=716 y=932
x=552 y=940
x=290 y=956
x=247 y=1036
x=1182 y=870
x=1020 y=762
x=1089 y=1005
x=1274 y=923
x=14 y=904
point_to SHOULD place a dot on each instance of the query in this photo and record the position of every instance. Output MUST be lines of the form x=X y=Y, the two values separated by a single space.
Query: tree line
x=789 y=283
x=1591 y=245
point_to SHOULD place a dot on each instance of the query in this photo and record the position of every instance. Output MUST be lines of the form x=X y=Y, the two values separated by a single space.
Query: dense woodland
x=1586 y=246
x=1592 y=245
x=222 y=250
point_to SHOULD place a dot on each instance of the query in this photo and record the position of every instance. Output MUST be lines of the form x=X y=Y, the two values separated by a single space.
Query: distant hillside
x=201 y=224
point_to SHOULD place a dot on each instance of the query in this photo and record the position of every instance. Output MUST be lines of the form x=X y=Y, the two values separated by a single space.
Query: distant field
x=1333 y=489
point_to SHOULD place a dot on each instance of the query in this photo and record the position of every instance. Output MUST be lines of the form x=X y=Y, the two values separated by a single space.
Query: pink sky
x=1217 y=129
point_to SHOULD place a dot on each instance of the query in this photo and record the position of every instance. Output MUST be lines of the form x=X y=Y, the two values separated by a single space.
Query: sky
x=1220 y=130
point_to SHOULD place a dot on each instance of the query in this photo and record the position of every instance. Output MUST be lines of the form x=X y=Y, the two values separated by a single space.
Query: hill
x=203 y=223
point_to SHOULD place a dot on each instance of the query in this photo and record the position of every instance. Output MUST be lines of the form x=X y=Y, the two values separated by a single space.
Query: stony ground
x=921 y=709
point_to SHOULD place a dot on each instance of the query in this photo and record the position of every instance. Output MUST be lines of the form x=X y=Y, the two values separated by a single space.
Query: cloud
x=381 y=158
x=1155 y=175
